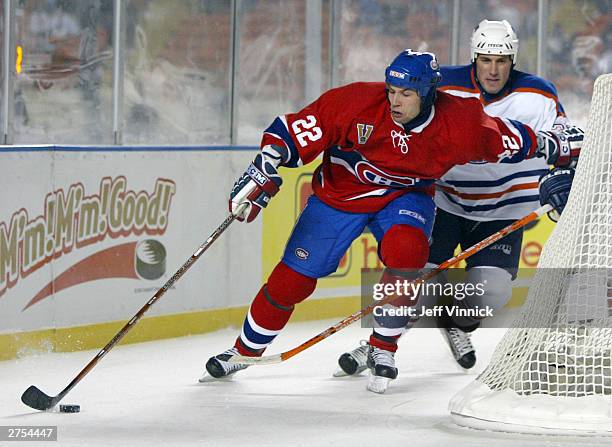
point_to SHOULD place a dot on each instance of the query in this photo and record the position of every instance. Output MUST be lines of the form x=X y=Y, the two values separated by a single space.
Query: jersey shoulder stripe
x=461 y=79
x=278 y=131
x=526 y=82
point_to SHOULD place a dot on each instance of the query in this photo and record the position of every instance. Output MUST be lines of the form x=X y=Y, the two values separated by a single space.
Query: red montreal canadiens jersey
x=369 y=159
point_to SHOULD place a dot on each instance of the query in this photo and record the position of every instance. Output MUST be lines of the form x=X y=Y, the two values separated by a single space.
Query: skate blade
x=466 y=371
x=339 y=373
x=378 y=384
x=207 y=378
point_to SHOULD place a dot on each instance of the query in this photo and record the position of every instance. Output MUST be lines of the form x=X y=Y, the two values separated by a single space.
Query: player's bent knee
x=404 y=247
x=496 y=283
x=288 y=287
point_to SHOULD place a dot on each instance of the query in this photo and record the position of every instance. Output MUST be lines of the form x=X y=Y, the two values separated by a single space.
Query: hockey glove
x=554 y=190
x=254 y=188
x=560 y=147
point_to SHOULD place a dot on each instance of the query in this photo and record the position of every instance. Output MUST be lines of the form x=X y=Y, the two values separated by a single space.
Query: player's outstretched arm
x=509 y=141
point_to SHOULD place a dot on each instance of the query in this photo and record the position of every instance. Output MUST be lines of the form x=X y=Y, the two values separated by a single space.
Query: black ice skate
x=353 y=362
x=382 y=369
x=218 y=367
x=460 y=346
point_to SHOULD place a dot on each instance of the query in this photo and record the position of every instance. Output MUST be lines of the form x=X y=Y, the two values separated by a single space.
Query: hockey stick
x=35 y=398
x=278 y=358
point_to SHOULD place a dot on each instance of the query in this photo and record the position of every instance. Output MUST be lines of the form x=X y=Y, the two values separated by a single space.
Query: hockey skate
x=460 y=346
x=353 y=362
x=218 y=367
x=382 y=369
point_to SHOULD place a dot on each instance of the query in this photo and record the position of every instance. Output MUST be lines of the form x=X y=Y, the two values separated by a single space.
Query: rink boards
x=88 y=235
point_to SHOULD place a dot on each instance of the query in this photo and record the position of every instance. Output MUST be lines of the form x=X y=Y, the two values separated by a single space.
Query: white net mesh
x=552 y=370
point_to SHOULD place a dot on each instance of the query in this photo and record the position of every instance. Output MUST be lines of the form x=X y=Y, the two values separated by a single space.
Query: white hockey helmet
x=494 y=37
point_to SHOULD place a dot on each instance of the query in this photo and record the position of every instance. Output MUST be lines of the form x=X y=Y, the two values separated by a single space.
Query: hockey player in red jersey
x=383 y=146
x=475 y=200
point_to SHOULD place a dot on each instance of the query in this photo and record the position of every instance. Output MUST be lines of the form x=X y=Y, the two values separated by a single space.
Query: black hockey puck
x=70 y=408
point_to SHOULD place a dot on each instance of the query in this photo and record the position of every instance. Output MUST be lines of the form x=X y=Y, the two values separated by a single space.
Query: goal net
x=552 y=370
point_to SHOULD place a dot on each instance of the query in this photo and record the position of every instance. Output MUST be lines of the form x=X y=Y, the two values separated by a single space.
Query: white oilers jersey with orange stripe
x=486 y=191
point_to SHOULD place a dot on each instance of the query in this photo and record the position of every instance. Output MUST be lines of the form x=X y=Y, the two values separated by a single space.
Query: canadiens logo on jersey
x=368 y=173
x=400 y=140
x=363 y=132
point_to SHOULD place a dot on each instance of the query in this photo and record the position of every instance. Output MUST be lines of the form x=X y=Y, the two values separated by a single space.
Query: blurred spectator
x=587 y=52
x=50 y=20
x=606 y=59
x=67 y=43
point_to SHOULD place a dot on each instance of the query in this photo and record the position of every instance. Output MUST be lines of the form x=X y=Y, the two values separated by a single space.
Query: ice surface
x=147 y=395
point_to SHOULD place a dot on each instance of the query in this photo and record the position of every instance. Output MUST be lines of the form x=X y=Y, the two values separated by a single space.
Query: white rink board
x=198 y=183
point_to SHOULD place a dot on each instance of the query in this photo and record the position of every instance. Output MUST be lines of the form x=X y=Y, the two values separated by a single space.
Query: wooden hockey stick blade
x=278 y=358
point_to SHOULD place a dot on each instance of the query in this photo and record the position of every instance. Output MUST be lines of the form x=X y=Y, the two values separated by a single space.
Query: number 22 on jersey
x=306 y=130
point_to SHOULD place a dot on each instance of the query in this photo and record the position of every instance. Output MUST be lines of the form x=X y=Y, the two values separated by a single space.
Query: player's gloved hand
x=554 y=190
x=560 y=147
x=254 y=188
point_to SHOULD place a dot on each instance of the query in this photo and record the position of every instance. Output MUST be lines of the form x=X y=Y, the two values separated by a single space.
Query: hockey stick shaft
x=264 y=360
x=35 y=398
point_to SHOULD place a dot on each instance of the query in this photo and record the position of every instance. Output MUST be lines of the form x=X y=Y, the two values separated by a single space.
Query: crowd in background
x=178 y=59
